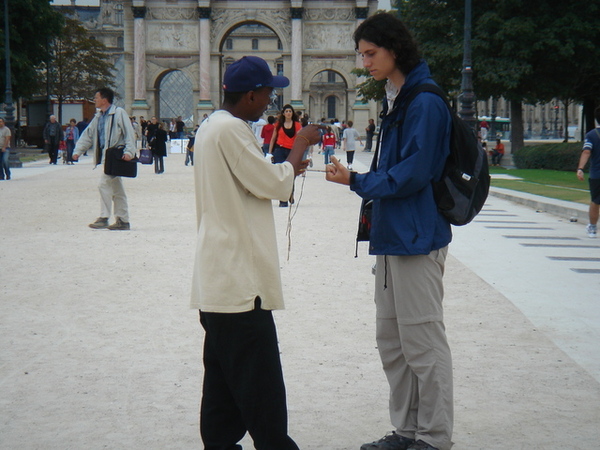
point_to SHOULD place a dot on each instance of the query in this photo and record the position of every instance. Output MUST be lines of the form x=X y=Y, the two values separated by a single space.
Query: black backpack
x=465 y=183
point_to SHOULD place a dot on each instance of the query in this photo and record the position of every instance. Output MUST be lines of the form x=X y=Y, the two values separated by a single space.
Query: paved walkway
x=100 y=350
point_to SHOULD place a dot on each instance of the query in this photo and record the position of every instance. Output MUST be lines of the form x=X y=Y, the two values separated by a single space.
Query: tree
x=370 y=88
x=79 y=66
x=33 y=24
x=523 y=51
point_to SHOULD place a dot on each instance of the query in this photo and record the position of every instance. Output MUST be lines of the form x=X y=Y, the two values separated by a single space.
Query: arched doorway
x=329 y=96
x=174 y=94
x=257 y=39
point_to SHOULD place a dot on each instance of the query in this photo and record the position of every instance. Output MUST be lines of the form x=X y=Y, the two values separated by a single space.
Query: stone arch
x=322 y=90
x=222 y=56
x=225 y=21
x=349 y=78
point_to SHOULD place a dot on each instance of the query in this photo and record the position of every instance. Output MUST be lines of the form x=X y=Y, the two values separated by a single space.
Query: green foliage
x=80 y=64
x=33 y=24
x=561 y=156
x=438 y=28
x=370 y=89
x=524 y=51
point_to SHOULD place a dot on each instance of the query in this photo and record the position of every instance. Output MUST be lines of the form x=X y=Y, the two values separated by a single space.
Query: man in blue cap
x=236 y=282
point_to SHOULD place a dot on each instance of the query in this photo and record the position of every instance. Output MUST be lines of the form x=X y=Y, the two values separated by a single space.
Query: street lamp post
x=467 y=96
x=9 y=118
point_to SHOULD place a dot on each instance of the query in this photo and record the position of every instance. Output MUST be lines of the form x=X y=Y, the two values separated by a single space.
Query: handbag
x=364 y=220
x=116 y=166
x=366 y=207
x=145 y=156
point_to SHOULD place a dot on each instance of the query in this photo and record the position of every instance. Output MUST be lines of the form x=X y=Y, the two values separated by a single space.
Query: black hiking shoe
x=391 y=441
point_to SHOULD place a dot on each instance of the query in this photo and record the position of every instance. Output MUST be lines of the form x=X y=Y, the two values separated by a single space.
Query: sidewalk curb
x=567 y=210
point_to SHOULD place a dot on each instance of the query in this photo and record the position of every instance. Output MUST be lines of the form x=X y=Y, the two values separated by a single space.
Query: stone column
x=205 y=104
x=296 y=81
x=139 y=61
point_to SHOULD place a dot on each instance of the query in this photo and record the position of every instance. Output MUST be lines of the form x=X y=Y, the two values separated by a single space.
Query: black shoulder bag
x=114 y=164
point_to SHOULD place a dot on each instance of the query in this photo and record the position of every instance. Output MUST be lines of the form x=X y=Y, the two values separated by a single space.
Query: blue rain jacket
x=412 y=154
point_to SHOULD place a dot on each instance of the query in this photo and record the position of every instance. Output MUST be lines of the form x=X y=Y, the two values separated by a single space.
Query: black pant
x=243 y=389
x=496 y=157
x=280 y=154
x=369 y=142
x=53 y=148
x=189 y=158
x=350 y=156
x=159 y=164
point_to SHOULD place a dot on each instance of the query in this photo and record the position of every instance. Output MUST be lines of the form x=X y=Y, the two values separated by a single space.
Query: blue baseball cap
x=249 y=74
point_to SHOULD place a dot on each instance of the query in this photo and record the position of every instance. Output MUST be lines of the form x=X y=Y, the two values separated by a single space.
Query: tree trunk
x=516 y=126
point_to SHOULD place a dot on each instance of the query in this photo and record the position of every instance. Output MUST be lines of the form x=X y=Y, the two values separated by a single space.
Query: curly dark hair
x=387 y=31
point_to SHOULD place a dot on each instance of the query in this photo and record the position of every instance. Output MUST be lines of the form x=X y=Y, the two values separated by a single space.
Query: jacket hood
x=420 y=74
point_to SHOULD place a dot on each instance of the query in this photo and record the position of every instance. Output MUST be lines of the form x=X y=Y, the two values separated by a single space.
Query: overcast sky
x=383 y=4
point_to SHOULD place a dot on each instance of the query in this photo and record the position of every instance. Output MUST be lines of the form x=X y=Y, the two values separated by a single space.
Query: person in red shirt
x=283 y=138
x=267 y=134
x=497 y=153
x=328 y=144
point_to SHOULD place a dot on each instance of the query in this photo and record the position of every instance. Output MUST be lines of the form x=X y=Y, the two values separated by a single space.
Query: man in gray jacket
x=110 y=127
x=53 y=134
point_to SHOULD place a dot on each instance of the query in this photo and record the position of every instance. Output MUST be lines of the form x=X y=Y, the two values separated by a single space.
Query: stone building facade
x=170 y=56
x=191 y=42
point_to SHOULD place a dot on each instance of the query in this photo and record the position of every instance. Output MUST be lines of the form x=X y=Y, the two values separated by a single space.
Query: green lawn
x=548 y=183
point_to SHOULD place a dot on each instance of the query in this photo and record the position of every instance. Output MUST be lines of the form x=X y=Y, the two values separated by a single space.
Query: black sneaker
x=420 y=445
x=101 y=222
x=119 y=225
x=391 y=441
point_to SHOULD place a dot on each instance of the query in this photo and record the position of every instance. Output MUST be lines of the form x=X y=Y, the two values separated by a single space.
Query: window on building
x=120 y=42
x=331 y=113
x=254 y=44
x=229 y=44
x=330 y=76
x=279 y=45
x=119 y=14
x=280 y=68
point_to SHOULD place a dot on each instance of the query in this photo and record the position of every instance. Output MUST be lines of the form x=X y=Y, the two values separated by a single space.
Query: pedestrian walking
x=180 y=128
x=349 y=136
x=266 y=134
x=370 y=132
x=189 y=156
x=591 y=153
x=158 y=145
x=5 y=136
x=53 y=134
x=71 y=137
x=329 y=143
x=284 y=135
x=109 y=127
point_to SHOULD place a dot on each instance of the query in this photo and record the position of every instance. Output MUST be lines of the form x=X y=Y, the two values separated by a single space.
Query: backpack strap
x=426 y=87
